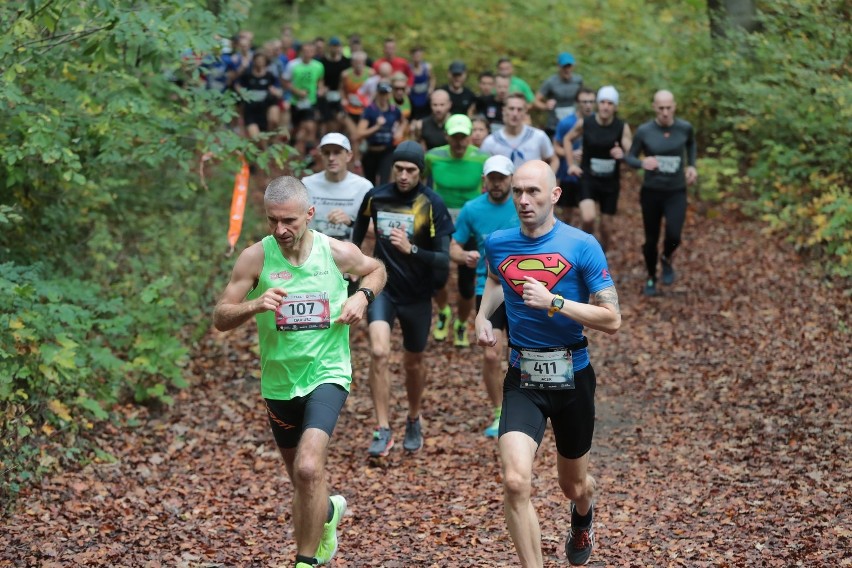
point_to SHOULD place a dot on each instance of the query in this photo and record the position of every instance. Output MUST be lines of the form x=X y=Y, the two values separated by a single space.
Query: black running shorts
x=320 y=409
x=414 y=319
x=571 y=412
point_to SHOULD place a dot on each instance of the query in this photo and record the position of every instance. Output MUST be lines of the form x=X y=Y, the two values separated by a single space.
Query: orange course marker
x=238 y=205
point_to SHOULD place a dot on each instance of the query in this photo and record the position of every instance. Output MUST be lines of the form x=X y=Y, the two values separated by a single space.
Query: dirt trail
x=723 y=440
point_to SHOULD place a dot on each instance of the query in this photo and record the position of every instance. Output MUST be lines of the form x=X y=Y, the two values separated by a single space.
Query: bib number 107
x=301 y=312
x=300 y=309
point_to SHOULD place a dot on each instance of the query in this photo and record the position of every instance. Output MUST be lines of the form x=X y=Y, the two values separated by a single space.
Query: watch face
x=413 y=249
x=558 y=303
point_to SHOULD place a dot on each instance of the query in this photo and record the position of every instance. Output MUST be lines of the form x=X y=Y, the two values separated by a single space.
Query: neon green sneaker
x=460 y=334
x=442 y=326
x=328 y=543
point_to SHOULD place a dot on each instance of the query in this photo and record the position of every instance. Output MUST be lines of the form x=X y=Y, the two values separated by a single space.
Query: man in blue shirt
x=545 y=272
x=566 y=209
x=479 y=218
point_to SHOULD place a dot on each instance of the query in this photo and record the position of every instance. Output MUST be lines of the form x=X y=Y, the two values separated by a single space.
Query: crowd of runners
x=439 y=181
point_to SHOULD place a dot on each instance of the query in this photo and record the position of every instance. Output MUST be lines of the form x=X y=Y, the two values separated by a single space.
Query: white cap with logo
x=500 y=164
x=337 y=139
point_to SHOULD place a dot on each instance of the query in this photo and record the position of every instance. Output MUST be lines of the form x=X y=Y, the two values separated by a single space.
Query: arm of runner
x=458 y=255
x=691 y=150
x=351 y=260
x=568 y=146
x=541 y=103
x=492 y=297
x=365 y=130
x=632 y=157
x=619 y=150
x=604 y=315
x=438 y=258
x=553 y=160
x=233 y=310
x=362 y=222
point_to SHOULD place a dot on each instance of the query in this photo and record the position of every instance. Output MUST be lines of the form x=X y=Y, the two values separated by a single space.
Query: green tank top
x=300 y=345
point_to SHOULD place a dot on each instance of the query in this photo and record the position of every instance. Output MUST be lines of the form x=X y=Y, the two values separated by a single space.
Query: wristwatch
x=555 y=305
x=369 y=293
x=414 y=249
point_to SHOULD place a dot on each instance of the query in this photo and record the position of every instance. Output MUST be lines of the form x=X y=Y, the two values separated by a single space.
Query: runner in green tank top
x=292 y=283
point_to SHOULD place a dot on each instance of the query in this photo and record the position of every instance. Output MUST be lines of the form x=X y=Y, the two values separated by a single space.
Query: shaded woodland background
x=111 y=256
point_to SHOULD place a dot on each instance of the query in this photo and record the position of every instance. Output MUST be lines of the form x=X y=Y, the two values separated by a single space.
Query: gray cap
x=410 y=151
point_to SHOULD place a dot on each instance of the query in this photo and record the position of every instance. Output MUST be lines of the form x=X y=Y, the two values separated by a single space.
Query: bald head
x=439 y=95
x=664 y=108
x=534 y=192
x=663 y=96
x=440 y=104
x=539 y=170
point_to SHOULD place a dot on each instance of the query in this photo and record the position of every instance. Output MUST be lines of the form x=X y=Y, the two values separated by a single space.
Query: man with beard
x=480 y=217
x=413 y=229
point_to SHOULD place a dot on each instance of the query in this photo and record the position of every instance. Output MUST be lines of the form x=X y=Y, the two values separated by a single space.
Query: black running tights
x=656 y=206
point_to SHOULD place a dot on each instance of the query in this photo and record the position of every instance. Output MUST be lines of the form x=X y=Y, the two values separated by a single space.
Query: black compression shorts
x=571 y=413
x=414 y=319
x=320 y=409
x=608 y=200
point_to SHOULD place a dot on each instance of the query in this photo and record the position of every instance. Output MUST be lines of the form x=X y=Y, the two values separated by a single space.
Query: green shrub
x=109 y=247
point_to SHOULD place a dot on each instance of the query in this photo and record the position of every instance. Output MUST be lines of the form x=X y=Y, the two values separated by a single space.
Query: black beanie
x=410 y=151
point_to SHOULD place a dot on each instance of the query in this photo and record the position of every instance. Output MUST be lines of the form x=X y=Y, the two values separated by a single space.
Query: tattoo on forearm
x=608 y=296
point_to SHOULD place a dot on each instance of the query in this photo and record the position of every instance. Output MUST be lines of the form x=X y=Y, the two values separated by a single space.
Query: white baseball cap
x=337 y=139
x=500 y=164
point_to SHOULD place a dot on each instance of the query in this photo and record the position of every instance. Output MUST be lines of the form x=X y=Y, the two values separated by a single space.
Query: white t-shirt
x=531 y=144
x=326 y=196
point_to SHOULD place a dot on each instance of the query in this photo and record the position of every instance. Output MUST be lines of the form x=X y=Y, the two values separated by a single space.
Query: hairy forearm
x=376 y=279
x=595 y=317
x=230 y=316
x=605 y=316
x=457 y=253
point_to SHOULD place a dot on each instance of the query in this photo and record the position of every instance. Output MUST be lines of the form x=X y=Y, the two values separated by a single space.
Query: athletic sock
x=578 y=520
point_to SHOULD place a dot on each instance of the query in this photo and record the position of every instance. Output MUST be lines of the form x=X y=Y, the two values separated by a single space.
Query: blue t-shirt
x=479 y=218
x=568 y=261
x=564 y=127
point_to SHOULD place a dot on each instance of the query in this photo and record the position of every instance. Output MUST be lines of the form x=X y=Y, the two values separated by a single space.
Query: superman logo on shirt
x=548 y=268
